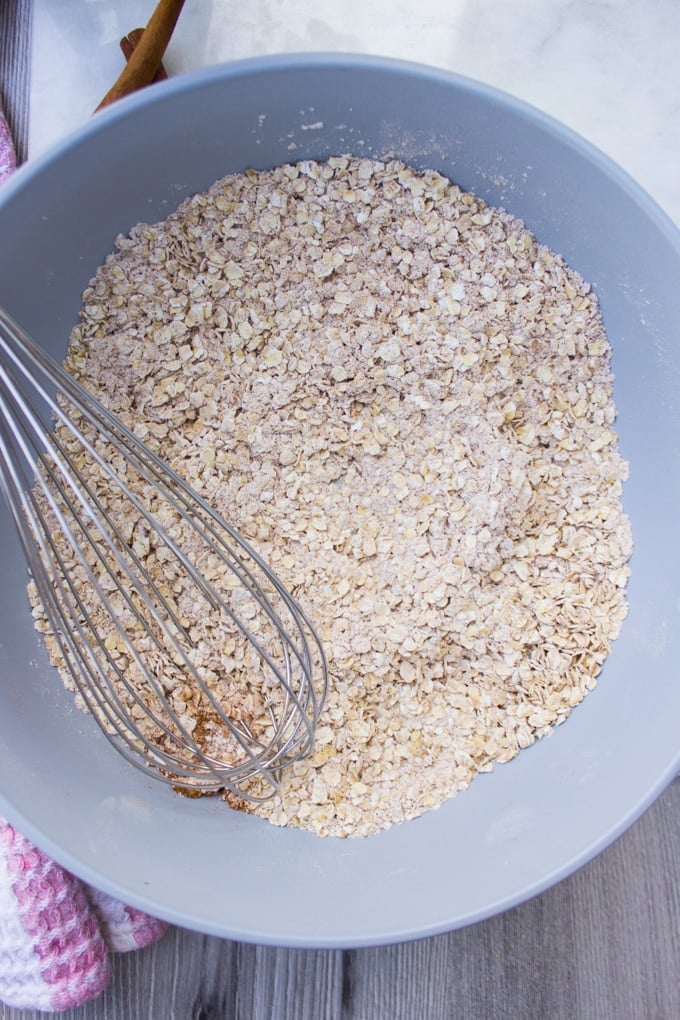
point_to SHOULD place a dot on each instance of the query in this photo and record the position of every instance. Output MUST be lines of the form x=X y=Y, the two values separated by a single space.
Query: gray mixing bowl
x=530 y=822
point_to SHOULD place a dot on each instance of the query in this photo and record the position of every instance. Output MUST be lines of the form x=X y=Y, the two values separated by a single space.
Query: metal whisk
x=196 y=661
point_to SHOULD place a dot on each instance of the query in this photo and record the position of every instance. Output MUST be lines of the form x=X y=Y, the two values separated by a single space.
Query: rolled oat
x=405 y=403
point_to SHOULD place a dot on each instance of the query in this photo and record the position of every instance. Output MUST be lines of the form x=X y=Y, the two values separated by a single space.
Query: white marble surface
x=607 y=68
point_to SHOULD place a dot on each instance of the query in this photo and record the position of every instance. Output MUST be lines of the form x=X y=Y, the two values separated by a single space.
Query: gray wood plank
x=288 y=983
x=603 y=944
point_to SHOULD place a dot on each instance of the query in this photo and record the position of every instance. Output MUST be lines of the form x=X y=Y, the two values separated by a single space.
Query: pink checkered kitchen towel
x=56 y=932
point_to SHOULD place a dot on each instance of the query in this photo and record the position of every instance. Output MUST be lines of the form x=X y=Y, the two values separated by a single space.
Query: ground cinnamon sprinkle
x=405 y=403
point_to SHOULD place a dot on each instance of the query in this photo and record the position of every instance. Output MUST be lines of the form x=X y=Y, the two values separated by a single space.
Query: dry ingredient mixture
x=404 y=402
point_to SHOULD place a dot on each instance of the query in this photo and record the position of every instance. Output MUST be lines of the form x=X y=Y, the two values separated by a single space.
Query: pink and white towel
x=56 y=932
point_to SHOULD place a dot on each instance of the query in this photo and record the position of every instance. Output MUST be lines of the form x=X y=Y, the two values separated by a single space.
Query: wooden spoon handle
x=146 y=57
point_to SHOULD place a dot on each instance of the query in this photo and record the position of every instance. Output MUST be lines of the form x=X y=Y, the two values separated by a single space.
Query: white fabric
x=21 y=983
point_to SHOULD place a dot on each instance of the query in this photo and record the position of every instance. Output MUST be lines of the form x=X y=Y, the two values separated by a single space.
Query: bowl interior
x=529 y=822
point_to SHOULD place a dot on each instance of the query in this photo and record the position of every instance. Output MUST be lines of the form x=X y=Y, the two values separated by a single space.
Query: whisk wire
x=61 y=597
x=177 y=494
x=33 y=458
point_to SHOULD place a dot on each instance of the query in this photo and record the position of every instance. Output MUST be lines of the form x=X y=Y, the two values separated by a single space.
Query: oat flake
x=404 y=402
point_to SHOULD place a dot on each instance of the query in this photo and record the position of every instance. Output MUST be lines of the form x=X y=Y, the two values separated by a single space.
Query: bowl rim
x=161 y=93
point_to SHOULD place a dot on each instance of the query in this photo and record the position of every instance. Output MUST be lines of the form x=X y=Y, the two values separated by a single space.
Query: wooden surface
x=601 y=945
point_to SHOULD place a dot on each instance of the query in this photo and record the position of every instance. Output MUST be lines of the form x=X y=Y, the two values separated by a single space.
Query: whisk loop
x=198 y=664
